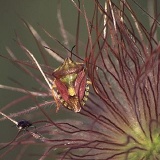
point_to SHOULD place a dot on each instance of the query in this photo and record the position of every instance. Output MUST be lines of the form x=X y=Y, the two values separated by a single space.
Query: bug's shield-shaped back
x=71 y=83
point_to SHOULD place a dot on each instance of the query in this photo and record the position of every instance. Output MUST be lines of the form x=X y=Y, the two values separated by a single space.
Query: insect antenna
x=72 y=51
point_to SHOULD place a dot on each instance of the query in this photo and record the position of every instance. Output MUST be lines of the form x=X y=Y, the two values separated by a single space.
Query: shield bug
x=71 y=84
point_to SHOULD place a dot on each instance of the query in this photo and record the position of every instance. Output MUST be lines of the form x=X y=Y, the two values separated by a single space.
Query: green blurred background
x=43 y=12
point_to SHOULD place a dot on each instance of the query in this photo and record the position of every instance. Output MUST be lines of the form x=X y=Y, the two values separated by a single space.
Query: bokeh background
x=35 y=12
x=43 y=12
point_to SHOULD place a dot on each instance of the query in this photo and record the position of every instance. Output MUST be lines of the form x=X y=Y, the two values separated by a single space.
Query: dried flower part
x=121 y=118
x=71 y=83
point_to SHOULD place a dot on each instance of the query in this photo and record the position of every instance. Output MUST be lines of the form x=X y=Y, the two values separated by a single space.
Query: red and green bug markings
x=72 y=85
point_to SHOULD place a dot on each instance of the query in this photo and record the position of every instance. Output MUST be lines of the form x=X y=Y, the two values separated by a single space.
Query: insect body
x=23 y=125
x=72 y=84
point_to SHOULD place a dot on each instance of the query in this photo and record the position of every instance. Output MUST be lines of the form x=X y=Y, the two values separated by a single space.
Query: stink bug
x=70 y=81
x=71 y=84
